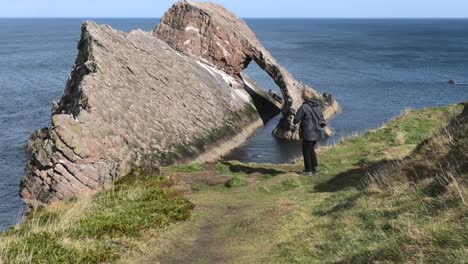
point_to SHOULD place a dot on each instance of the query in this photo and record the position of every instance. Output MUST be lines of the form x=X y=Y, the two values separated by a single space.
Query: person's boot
x=306 y=173
x=315 y=170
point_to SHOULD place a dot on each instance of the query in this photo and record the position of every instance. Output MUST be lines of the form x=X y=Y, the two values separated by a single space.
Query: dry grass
x=400 y=138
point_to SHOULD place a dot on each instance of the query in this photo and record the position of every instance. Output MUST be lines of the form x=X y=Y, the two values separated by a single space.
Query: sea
x=375 y=68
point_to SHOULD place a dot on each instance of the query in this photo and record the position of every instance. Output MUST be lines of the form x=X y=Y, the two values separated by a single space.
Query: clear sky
x=243 y=8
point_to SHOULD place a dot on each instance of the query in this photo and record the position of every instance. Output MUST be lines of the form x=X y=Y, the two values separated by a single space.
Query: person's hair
x=308 y=94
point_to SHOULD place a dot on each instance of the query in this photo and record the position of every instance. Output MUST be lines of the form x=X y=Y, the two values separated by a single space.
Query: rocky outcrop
x=211 y=32
x=131 y=100
x=149 y=99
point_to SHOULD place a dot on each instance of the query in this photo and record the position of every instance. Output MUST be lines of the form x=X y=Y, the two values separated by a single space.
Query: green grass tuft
x=291 y=183
x=235 y=181
x=191 y=167
x=223 y=168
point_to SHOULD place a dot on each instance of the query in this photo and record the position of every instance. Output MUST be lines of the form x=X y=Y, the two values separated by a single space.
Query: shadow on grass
x=345 y=205
x=353 y=178
x=248 y=170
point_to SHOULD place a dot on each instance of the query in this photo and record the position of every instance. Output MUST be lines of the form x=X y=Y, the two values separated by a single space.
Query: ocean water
x=375 y=68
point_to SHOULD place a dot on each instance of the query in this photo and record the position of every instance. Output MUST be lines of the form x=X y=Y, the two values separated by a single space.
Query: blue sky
x=243 y=8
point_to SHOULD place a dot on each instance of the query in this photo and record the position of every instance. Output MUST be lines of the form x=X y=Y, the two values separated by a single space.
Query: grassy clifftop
x=395 y=194
x=95 y=228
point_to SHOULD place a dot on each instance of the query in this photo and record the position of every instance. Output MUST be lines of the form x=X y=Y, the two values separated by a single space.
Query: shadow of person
x=353 y=178
x=249 y=170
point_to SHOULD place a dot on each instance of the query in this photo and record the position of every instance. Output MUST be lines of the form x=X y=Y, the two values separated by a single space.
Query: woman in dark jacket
x=310 y=116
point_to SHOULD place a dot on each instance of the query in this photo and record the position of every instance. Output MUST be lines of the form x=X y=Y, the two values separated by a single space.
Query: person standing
x=310 y=116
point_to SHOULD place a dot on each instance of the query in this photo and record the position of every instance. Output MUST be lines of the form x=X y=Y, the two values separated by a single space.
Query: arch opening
x=266 y=95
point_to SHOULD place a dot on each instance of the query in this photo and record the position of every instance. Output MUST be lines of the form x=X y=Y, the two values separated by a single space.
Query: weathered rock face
x=211 y=32
x=131 y=100
x=268 y=104
x=149 y=99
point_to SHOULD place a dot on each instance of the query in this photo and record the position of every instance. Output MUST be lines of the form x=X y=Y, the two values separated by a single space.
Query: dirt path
x=206 y=244
x=228 y=225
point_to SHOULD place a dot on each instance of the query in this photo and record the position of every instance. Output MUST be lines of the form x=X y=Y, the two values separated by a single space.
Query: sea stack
x=150 y=99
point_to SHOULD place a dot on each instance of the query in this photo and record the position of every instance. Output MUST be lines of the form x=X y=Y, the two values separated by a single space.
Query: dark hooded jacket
x=310 y=116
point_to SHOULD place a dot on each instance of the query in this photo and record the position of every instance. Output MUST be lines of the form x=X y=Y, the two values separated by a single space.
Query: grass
x=396 y=194
x=191 y=167
x=95 y=228
x=235 y=181
x=291 y=183
x=339 y=216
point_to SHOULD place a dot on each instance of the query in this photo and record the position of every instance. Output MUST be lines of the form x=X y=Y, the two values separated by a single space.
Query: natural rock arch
x=214 y=34
x=132 y=101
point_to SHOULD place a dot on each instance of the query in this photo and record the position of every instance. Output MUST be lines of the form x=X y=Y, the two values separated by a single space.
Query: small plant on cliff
x=235 y=181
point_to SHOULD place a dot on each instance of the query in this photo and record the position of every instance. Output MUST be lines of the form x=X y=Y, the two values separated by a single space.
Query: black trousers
x=310 y=158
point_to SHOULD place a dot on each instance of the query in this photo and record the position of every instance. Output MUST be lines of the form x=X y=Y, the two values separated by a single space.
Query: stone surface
x=268 y=104
x=132 y=100
x=149 y=99
x=211 y=32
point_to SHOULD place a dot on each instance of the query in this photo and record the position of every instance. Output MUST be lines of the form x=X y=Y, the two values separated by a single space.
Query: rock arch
x=215 y=35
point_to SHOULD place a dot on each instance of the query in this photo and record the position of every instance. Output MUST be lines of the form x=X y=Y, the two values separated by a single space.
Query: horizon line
x=290 y=18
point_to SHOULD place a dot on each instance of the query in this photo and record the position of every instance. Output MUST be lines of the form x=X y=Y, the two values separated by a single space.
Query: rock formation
x=211 y=32
x=268 y=104
x=149 y=99
x=132 y=100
